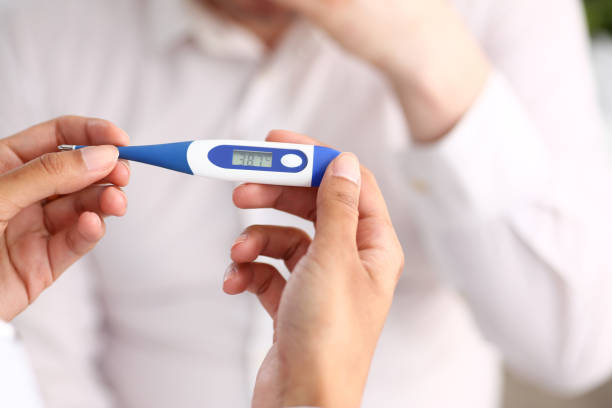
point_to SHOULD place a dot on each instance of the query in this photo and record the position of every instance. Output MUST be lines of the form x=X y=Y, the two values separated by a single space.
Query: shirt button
x=420 y=186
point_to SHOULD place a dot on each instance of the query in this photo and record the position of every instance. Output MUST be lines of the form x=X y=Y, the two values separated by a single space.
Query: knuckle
x=399 y=260
x=253 y=228
x=58 y=127
x=311 y=215
x=57 y=122
x=300 y=240
x=52 y=164
x=71 y=244
x=400 y=269
x=300 y=234
x=6 y=207
x=42 y=278
x=264 y=286
x=402 y=260
x=9 y=160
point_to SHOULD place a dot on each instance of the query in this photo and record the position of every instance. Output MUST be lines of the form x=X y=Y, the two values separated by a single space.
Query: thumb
x=338 y=203
x=53 y=173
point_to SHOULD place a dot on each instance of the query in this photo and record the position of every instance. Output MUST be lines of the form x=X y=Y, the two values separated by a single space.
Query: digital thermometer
x=245 y=161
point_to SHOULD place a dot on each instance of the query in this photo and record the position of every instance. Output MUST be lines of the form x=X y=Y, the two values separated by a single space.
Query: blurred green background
x=599 y=13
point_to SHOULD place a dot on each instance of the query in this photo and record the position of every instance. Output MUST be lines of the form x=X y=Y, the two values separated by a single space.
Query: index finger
x=286 y=136
x=301 y=201
x=45 y=137
x=293 y=200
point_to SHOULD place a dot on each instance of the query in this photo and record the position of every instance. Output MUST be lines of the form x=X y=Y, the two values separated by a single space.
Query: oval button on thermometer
x=291 y=160
x=246 y=161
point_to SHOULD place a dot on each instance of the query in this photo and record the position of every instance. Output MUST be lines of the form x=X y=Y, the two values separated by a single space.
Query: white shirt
x=17 y=385
x=505 y=224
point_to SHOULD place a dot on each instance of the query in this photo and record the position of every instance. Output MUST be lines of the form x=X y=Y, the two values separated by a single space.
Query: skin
x=262 y=17
x=52 y=204
x=329 y=314
x=422 y=47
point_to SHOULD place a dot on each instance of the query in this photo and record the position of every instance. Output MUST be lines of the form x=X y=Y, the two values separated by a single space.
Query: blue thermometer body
x=244 y=161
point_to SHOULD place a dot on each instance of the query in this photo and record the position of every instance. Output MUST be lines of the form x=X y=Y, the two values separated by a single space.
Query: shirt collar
x=172 y=22
x=167 y=22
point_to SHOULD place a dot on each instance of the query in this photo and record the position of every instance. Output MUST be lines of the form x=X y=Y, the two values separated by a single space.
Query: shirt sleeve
x=17 y=385
x=62 y=335
x=514 y=203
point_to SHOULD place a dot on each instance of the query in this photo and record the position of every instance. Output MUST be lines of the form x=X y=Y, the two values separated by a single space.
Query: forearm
x=538 y=286
x=522 y=236
x=424 y=48
x=437 y=73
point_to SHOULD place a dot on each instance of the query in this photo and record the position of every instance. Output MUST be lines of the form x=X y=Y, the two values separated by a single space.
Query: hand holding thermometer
x=246 y=161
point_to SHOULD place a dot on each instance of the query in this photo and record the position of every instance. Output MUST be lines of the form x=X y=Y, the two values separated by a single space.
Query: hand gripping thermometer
x=245 y=161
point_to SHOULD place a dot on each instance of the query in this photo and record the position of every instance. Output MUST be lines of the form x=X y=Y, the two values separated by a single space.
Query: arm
x=513 y=189
x=517 y=214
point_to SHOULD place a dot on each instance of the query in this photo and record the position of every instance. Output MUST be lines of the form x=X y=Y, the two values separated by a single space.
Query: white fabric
x=511 y=209
x=602 y=60
x=17 y=385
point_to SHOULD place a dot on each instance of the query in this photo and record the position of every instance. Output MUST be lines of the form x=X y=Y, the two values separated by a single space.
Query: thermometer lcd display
x=249 y=158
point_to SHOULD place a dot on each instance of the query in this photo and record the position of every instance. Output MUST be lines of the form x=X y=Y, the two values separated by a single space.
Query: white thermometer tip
x=64 y=147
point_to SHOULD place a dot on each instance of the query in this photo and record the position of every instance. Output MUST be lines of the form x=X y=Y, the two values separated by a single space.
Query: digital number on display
x=249 y=158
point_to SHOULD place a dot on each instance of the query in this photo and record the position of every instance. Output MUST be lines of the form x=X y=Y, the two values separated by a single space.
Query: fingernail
x=229 y=272
x=242 y=238
x=99 y=157
x=347 y=166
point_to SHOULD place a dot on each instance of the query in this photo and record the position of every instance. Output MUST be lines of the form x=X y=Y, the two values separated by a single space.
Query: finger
x=302 y=201
x=376 y=234
x=45 y=137
x=286 y=136
x=120 y=175
x=68 y=245
x=293 y=200
x=338 y=204
x=54 y=173
x=286 y=243
x=298 y=201
x=102 y=200
x=260 y=279
x=371 y=200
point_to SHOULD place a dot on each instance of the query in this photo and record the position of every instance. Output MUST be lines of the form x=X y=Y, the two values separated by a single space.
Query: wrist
x=439 y=76
x=321 y=396
x=303 y=384
x=323 y=387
